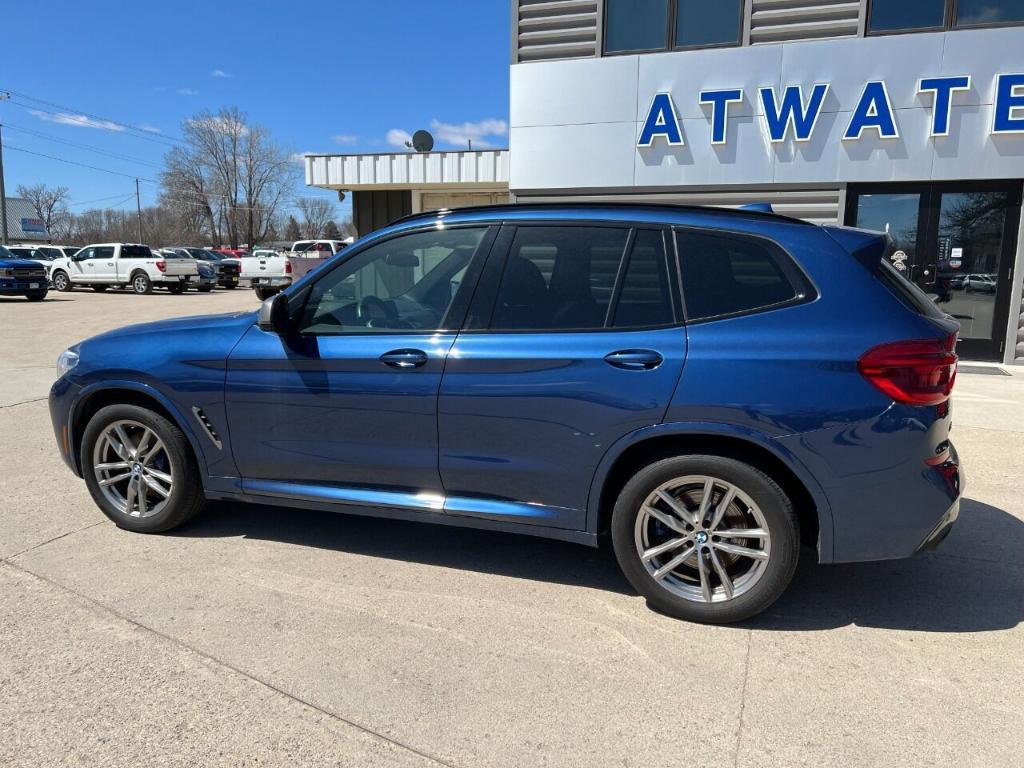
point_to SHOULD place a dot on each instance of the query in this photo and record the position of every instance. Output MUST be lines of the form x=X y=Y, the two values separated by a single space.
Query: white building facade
x=905 y=115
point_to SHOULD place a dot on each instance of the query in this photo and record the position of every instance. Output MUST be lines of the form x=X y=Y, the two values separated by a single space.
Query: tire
x=679 y=589
x=177 y=290
x=173 y=460
x=264 y=293
x=61 y=281
x=36 y=295
x=141 y=284
x=100 y=288
x=205 y=289
x=231 y=286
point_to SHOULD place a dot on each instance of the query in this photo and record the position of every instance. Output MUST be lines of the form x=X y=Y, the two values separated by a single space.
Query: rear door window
x=133 y=252
x=726 y=274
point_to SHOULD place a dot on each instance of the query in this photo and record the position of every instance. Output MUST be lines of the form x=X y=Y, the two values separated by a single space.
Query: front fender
x=202 y=448
x=721 y=430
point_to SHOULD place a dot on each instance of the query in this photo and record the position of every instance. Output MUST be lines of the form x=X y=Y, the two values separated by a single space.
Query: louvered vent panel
x=778 y=21
x=557 y=29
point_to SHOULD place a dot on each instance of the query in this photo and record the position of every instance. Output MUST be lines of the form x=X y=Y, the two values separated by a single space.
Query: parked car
x=44 y=255
x=980 y=284
x=235 y=253
x=104 y=265
x=321 y=247
x=21 y=277
x=560 y=372
x=227 y=269
x=207 y=279
x=268 y=272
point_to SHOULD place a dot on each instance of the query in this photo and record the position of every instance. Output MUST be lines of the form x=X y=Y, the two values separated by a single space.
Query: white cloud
x=220 y=73
x=460 y=135
x=79 y=121
x=345 y=138
x=397 y=137
x=297 y=157
x=188 y=92
x=149 y=128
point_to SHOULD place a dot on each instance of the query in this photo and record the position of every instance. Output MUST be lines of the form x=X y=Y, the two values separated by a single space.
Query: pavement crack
x=23 y=402
x=743 y=700
x=7 y=558
x=226 y=665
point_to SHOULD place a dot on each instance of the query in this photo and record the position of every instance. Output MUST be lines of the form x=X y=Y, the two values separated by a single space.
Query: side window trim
x=790 y=267
x=300 y=298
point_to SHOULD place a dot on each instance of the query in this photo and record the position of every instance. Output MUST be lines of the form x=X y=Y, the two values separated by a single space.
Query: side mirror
x=274 y=316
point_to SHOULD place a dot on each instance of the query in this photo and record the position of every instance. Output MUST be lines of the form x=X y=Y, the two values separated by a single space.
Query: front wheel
x=141 y=283
x=61 y=281
x=706 y=538
x=36 y=295
x=140 y=470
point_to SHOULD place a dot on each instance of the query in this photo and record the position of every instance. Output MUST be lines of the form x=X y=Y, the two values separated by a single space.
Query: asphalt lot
x=261 y=636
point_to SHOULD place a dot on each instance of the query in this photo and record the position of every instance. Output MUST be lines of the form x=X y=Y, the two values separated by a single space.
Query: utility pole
x=138 y=208
x=3 y=193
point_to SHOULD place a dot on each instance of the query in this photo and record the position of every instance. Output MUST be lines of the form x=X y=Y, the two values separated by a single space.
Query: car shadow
x=23 y=300
x=966 y=586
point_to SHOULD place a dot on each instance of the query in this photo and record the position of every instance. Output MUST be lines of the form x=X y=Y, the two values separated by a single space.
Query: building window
x=974 y=13
x=700 y=23
x=636 y=25
x=633 y=26
x=887 y=16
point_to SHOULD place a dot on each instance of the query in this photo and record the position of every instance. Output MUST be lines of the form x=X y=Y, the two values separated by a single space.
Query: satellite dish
x=422 y=141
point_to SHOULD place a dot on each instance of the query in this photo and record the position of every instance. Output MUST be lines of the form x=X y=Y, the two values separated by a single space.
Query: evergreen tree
x=291 y=232
x=331 y=231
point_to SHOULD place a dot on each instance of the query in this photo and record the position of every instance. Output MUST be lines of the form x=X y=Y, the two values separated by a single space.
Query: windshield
x=214 y=256
x=5 y=254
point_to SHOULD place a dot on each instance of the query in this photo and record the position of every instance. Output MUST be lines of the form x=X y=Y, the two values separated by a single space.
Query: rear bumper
x=271 y=282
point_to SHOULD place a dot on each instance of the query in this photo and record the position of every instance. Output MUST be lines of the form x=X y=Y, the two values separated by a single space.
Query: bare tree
x=316 y=212
x=49 y=204
x=230 y=177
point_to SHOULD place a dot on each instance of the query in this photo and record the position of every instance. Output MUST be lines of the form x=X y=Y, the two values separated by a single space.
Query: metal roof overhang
x=476 y=169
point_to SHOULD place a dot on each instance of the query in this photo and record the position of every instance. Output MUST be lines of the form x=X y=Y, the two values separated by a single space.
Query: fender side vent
x=207 y=427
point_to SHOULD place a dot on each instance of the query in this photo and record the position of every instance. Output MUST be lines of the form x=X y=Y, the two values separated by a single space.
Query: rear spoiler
x=866 y=246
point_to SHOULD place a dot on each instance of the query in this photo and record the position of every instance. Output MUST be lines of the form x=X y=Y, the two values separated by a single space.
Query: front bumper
x=18 y=287
x=63 y=395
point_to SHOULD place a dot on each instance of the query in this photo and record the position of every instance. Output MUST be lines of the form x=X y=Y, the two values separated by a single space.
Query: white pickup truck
x=269 y=272
x=104 y=265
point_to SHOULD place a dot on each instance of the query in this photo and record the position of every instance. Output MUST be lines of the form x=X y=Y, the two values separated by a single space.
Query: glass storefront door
x=957 y=242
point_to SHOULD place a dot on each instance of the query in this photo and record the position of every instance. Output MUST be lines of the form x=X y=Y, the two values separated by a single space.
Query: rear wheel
x=176 y=288
x=61 y=281
x=706 y=538
x=264 y=293
x=139 y=469
x=231 y=286
x=141 y=283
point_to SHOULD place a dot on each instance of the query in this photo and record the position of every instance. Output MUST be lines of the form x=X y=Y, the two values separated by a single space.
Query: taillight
x=918 y=372
x=287 y=267
x=162 y=266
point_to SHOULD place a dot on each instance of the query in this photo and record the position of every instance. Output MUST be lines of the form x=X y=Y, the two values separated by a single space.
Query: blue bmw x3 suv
x=708 y=388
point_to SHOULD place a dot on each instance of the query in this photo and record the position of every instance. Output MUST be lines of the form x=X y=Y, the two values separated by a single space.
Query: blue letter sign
x=942 y=89
x=792 y=111
x=1009 y=103
x=661 y=121
x=720 y=101
x=873 y=111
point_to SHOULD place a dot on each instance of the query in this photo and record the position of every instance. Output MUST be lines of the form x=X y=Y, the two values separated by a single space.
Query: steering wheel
x=372 y=308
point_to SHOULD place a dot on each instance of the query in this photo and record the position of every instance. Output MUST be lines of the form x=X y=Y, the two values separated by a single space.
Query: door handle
x=404 y=359
x=635 y=359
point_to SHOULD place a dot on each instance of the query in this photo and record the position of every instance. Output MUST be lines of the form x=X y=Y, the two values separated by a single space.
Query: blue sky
x=342 y=76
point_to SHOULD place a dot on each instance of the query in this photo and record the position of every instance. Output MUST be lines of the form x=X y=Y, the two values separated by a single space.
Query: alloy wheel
x=133 y=469
x=703 y=539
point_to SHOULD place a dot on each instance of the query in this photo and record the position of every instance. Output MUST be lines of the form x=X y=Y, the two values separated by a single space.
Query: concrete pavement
x=262 y=636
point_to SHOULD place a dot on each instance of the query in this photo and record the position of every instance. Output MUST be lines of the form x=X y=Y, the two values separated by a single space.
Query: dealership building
x=897 y=115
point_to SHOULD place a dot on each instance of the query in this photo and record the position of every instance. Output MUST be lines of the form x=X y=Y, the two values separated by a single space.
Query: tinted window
x=636 y=25
x=22 y=253
x=403 y=284
x=133 y=252
x=107 y=252
x=974 y=12
x=729 y=274
x=645 y=298
x=699 y=22
x=891 y=15
x=559 y=278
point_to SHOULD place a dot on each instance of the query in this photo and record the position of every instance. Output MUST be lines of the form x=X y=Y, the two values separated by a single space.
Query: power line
x=98 y=151
x=123 y=199
x=82 y=165
x=142 y=132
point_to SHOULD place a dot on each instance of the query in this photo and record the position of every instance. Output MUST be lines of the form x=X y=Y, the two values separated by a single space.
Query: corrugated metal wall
x=821 y=206
x=555 y=29
x=1019 y=353
x=543 y=30
x=776 y=21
